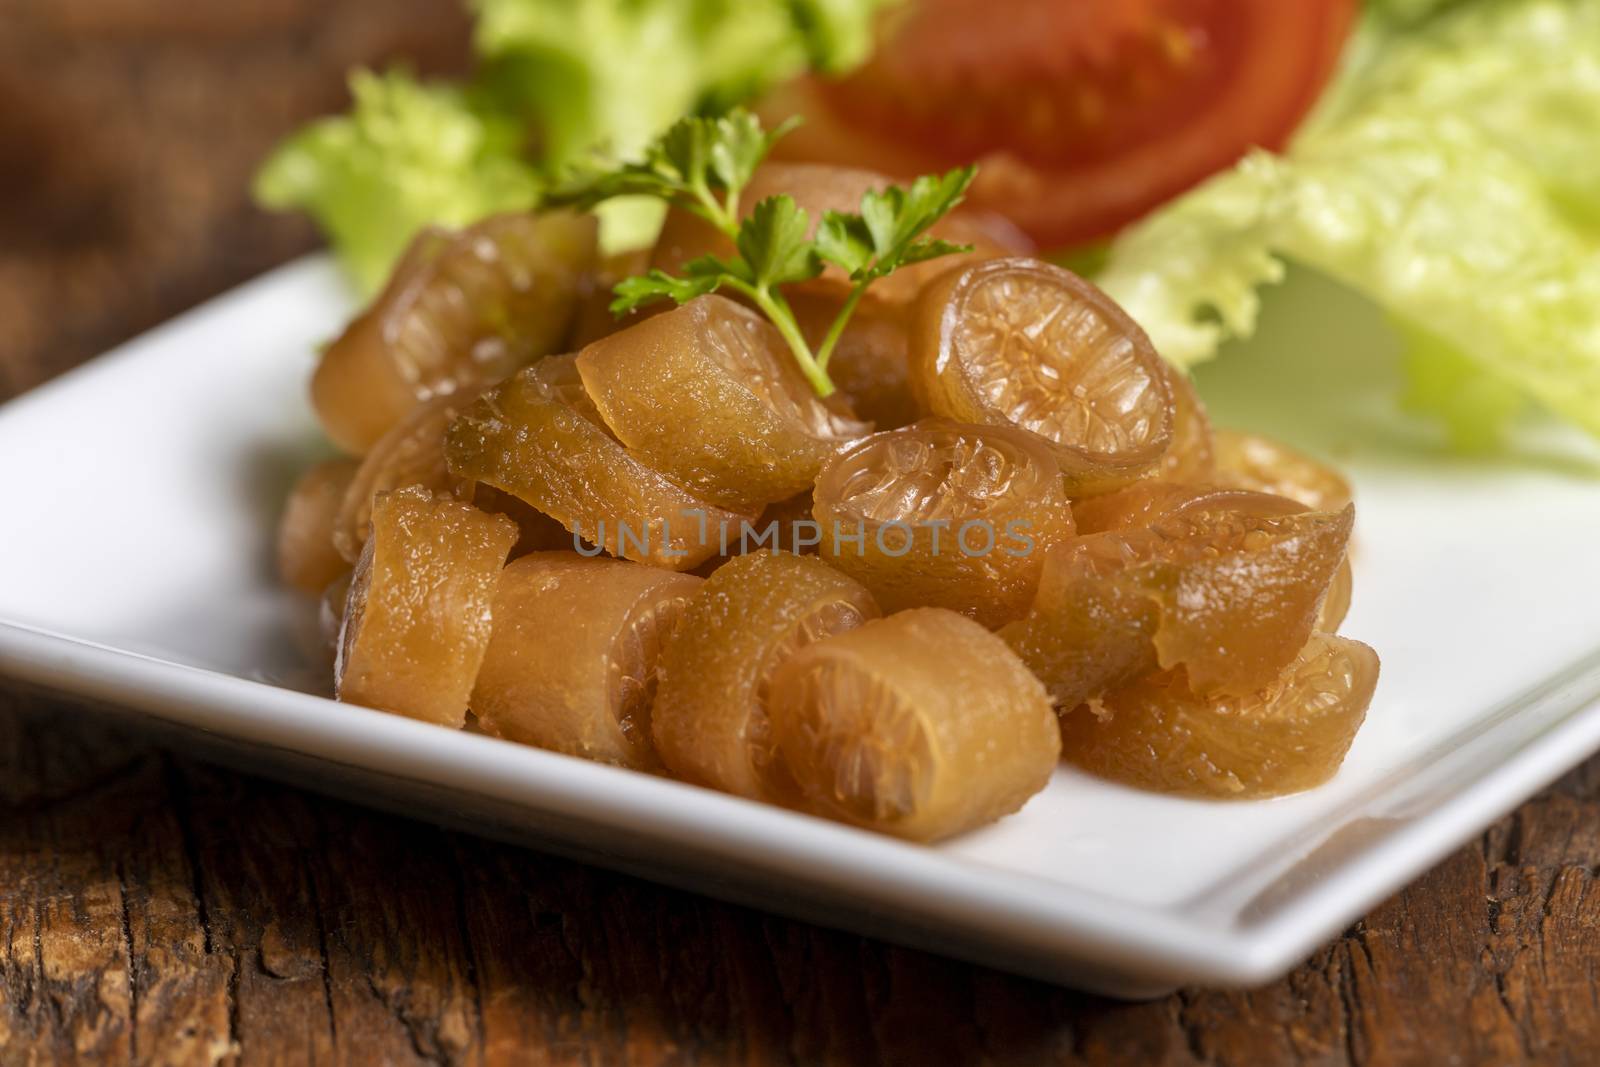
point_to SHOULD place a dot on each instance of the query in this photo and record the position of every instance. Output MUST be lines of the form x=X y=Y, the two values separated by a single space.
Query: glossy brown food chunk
x=711 y=722
x=538 y=531
x=709 y=395
x=537 y=437
x=462 y=310
x=1143 y=504
x=1158 y=734
x=330 y=610
x=307 y=559
x=418 y=616
x=572 y=665
x=411 y=453
x=786 y=526
x=946 y=515
x=1020 y=342
x=922 y=725
x=1230 y=594
x=593 y=318
x=869 y=363
x=1251 y=461
x=817 y=188
x=1191 y=457
x=1086 y=632
x=1336 y=605
x=1146 y=503
x=1243 y=592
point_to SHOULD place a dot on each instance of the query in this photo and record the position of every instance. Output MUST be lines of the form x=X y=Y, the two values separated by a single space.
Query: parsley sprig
x=702 y=165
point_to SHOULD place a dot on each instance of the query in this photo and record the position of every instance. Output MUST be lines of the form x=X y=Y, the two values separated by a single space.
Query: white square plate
x=141 y=493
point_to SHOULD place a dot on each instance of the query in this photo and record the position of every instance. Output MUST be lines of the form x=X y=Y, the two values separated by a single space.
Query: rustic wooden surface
x=155 y=909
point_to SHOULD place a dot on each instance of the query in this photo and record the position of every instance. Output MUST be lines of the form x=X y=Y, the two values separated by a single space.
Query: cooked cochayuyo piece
x=1245 y=591
x=307 y=560
x=946 y=515
x=1256 y=462
x=1291 y=734
x=1228 y=590
x=1253 y=461
x=538 y=531
x=1145 y=503
x=592 y=318
x=1336 y=605
x=818 y=189
x=585 y=689
x=1191 y=457
x=711 y=723
x=418 y=614
x=785 y=526
x=411 y=453
x=1020 y=342
x=330 y=610
x=538 y=437
x=922 y=724
x=869 y=363
x=788 y=526
x=708 y=395
x=463 y=309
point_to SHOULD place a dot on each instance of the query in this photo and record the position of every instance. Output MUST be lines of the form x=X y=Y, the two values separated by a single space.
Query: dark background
x=155 y=909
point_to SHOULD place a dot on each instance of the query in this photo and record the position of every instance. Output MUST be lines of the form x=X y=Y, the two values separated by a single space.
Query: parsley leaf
x=739 y=146
x=659 y=285
x=702 y=165
x=888 y=233
x=845 y=241
x=773 y=242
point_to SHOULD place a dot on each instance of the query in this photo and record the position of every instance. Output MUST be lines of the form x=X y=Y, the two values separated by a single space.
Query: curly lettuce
x=1452 y=176
x=406 y=155
x=561 y=83
x=608 y=76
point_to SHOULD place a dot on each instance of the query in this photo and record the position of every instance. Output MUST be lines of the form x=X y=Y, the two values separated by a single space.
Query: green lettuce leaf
x=407 y=155
x=608 y=76
x=562 y=84
x=1409 y=12
x=1452 y=176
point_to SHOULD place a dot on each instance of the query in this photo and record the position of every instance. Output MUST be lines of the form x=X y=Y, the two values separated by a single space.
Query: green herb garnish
x=701 y=165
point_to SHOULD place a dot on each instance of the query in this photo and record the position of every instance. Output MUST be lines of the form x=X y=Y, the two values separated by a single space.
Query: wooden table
x=155 y=909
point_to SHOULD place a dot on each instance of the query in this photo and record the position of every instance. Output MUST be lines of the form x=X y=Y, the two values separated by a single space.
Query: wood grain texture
x=157 y=910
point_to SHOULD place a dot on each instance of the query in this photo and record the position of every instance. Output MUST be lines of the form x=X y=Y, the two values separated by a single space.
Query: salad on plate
x=791 y=397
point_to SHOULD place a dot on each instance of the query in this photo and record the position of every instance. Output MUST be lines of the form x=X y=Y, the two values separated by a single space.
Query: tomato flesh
x=1083 y=114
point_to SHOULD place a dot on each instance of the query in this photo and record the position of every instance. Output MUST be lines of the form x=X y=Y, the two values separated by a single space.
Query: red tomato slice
x=1083 y=114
